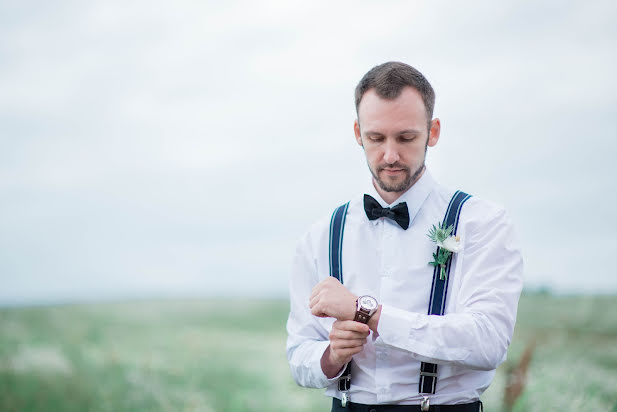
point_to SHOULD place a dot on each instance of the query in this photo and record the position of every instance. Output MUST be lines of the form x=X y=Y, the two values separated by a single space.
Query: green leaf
x=440 y=232
x=432 y=233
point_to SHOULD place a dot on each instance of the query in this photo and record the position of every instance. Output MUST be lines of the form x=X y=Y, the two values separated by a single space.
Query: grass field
x=216 y=355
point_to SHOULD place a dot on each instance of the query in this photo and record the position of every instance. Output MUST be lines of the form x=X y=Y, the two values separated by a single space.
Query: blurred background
x=168 y=151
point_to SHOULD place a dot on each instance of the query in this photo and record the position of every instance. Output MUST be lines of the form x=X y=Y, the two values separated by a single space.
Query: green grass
x=221 y=355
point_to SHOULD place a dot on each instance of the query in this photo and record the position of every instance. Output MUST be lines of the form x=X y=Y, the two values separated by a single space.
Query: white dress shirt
x=391 y=264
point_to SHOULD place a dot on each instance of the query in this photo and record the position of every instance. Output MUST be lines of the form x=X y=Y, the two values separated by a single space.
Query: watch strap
x=361 y=316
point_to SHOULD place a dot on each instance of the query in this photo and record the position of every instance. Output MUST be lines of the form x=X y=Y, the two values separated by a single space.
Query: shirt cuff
x=395 y=326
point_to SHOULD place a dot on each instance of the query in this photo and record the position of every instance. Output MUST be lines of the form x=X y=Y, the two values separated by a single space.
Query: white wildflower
x=451 y=244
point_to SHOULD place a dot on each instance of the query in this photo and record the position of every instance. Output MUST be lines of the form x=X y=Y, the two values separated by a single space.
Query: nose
x=390 y=155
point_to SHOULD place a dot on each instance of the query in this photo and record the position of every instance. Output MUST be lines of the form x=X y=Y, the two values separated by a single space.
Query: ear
x=434 y=133
x=356 y=130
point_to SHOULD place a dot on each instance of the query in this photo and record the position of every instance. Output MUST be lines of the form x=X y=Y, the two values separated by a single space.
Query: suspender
x=439 y=290
x=428 y=371
x=337 y=227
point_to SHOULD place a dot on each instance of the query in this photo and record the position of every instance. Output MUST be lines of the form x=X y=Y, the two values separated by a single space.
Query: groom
x=381 y=317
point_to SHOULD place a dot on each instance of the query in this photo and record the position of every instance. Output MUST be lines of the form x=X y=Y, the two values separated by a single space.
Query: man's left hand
x=330 y=298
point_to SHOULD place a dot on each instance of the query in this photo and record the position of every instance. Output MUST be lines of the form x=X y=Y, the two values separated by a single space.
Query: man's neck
x=390 y=197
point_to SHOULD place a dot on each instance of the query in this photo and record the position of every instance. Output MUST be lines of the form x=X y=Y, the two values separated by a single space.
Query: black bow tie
x=398 y=213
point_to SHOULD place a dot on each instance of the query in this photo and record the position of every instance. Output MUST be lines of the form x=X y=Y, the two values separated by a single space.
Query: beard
x=401 y=186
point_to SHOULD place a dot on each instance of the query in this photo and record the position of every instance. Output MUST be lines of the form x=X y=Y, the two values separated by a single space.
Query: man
x=389 y=258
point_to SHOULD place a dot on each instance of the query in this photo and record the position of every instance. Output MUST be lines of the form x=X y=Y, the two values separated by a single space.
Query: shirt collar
x=414 y=196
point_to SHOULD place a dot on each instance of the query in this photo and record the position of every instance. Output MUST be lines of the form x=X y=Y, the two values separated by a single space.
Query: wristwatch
x=366 y=306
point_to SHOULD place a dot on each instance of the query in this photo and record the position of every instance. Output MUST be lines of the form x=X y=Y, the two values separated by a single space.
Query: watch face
x=368 y=302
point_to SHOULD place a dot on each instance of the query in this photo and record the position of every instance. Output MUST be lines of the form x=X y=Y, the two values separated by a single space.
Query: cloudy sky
x=154 y=148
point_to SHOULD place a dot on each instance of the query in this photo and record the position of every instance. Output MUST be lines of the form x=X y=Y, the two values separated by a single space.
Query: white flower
x=452 y=244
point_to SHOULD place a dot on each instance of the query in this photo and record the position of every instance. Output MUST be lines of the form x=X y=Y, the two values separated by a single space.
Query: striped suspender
x=337 y=227
x=439 y=290
x=428 y=371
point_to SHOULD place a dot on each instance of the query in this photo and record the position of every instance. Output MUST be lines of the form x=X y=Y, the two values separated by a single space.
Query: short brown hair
x=389 y=79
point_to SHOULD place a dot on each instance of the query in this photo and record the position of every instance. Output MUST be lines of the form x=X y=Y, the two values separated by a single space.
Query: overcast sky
x=154 y=148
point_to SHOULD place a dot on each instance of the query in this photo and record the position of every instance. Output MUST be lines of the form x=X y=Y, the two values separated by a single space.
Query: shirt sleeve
x=307 y=337
x=477 y=333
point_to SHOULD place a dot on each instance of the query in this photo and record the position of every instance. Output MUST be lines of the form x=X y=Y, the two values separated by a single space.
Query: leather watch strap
x=361 y=317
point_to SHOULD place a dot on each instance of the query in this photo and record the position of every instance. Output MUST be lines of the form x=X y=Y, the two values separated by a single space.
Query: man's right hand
x=346 y=339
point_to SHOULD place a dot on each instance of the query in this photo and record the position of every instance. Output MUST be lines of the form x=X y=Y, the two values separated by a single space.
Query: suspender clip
x=425 y=404
x=344 y=399
x=344 y=383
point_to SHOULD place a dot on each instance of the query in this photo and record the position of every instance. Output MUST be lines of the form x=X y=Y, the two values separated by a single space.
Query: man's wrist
x=329 y=366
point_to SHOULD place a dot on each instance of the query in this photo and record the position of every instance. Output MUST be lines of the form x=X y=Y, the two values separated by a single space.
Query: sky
x=168 y=149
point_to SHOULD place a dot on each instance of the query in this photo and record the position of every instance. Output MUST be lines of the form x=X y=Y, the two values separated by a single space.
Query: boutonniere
x=447 y=243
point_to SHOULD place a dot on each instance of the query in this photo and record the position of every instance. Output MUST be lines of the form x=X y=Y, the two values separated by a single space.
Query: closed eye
x=408 y=136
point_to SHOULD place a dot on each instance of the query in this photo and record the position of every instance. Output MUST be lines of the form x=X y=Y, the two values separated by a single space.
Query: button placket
x=387 y=251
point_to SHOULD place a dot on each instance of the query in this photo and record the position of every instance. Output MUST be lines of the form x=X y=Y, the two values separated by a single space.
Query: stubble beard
x=406 y=183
